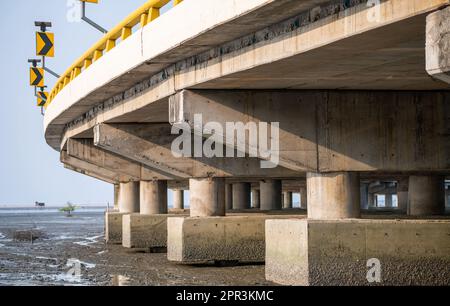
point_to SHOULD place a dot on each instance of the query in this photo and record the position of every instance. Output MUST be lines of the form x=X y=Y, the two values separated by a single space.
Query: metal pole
x=89 y=21
x=48 y=69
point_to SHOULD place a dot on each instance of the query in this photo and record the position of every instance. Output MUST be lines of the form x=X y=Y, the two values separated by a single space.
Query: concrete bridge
x=359 y=90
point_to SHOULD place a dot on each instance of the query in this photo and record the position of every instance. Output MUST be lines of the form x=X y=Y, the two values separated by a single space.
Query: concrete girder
x=88 y=168
x=150 y=145
x=438 y=45
x=90 y=174
x=84 y=149
x=335 y=131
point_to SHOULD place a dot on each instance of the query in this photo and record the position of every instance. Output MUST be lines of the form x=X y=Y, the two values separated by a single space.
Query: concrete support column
x=364 y=193
x=402 y=194
x=447 y=196
x=333 y=195
x=426 y=195
x=229 y=196
x=153 y=197
x=207 y=197
x=371 y=200
x=178 y=199
x=303 y=198
x=256 y=198
x=287 y=200
x=271 y=194
x=388 y=200
x=129 y=197
x=116 y=196
x=241 y=196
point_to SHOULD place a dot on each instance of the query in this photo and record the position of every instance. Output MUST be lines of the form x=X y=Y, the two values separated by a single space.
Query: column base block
x=113 y=227
x=145 y=231
x=309 y=252
x=217 y=239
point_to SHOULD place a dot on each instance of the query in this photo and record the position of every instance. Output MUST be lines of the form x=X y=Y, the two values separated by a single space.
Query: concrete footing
x=212 y=239
x=145 y=231
x=349 y=252
x=113 y=227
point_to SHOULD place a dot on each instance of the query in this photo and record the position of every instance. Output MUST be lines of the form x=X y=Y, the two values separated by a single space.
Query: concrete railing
x=140 y=17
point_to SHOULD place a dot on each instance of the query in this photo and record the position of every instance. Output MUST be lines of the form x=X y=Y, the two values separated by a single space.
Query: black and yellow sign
x=36 y=77
x=45 y=44
x=42 y=97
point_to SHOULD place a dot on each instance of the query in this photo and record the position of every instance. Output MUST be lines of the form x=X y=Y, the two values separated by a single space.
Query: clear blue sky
x=29 y=169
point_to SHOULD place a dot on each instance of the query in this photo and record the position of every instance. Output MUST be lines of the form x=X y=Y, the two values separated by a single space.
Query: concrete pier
x=426 y=195
x=153 y=197
x=128 y=202
x=270 y=192
x=241 y=196
x=228 y=197
x=402 y=194
x=333 y=196
x=287 y=200
x=207 y=197
x=256 y=198
x=129 y=197
x=178 y=199
x=303 y=198
x=116 y=196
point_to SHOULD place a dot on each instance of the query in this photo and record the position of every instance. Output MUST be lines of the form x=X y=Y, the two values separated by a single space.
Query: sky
x=29 y=169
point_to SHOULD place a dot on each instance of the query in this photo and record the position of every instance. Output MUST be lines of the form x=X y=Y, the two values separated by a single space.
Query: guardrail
x=140 y=17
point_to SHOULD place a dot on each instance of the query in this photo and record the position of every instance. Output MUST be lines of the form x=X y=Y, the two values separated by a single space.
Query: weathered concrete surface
x=84 y=149
x=241 y=196
x=256 y=198
x=178 y=199
x=204 y=240
x=303 y=198
x=307 y=252
x=228 y=196
x=207 y=197
x=426 y=195
x=287 y=200
x=113 y=227
x=333 y=195
x=153 y=197
x=438 y=45
x=270 y=193
x=402 y=194
x=145 y=231
x=334 y=131
x=342 y=49
x=151 y=145
x=129 y=199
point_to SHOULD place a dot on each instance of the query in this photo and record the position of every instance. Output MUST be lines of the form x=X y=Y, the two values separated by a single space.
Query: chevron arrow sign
x=36 y=77
x=41 y=98
x=45 y=44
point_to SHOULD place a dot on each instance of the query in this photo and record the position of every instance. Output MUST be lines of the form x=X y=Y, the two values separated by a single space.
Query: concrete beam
x=84 y=149
x=438 y=45
x=335 y=131
x=90 y=174
x=151 y=144
x=88 y=168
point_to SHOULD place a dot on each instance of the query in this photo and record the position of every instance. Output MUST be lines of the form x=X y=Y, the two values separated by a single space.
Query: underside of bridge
x=343 y=103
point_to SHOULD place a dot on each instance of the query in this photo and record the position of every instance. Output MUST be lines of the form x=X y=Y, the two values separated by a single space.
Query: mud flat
x=78 y=242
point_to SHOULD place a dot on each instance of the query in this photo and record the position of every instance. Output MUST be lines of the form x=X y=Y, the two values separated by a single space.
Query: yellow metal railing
x=141 y=17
